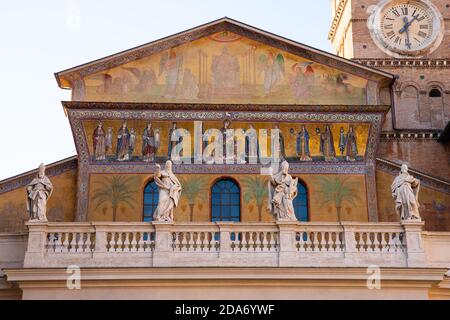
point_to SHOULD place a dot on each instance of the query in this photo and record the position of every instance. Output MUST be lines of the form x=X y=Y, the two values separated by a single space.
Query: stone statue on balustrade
x=39 y=191
x=169 y=193
x=405 y=191
x=282 y=192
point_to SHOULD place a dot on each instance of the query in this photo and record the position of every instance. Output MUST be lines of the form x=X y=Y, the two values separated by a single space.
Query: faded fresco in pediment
x=225 y=68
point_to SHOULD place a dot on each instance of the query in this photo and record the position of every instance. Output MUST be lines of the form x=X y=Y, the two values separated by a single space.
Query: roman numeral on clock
x=423 y=26
x=405 y=11
x=390 y=34
x=398 y=40
x=388 y=26
x=422 y=34
x=396 y=12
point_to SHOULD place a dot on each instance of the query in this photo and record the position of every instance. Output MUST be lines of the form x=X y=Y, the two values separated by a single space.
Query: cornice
x=404 y=63
x=336 y=19
x=87 y=105
x=225 y=273
x=410 y=135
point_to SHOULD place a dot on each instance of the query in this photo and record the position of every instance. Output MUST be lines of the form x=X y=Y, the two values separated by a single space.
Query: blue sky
x=39 y=38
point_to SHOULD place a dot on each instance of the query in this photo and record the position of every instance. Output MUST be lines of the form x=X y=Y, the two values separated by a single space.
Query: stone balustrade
x=225 y=244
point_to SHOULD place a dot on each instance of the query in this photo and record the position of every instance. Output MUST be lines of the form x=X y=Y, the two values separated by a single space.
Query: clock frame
x=406 y=28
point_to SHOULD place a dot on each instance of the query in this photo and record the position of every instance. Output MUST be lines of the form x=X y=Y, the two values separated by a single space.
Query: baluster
x=247 y=240
x=215 y=240
x=273 y=241
x=58 y=242
x=254 y=241
x=65 y=244
x=372 y=241
x=338 y=242
x=363 y=240
x=126 y=243
x=117 y=241
x=133 y=242
x=308 y=241
x=301 y=242
x=180 y=239
x=81 y=241
x=190 y=241
x=88 y=243
x=109 y=240
x=49 y=239
x=73 y=244
x=202 y=240
x=265 y=241
x=316 y=241
x=384 y=243
x=323 y=241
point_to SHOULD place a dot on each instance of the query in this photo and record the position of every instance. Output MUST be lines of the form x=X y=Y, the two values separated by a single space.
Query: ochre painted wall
x=60 y=207
x=353 y=208
x=434 y=205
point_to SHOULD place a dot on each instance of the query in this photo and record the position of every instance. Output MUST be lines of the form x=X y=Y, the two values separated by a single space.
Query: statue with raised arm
x=282 y=192
x=39 y=191
x=169 y=193
x=405 y=191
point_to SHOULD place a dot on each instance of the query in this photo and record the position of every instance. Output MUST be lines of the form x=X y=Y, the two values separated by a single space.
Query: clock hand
x=408 y=42
x=407 y=24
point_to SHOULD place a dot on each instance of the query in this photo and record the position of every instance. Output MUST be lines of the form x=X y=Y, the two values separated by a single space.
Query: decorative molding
x=405 y=63
x=410 y=135
x=88 y=105
x=52 y=170
x=336 y=19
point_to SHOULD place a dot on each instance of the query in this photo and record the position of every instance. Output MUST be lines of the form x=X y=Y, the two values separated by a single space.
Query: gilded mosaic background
x=224 y=68
x=289 y=131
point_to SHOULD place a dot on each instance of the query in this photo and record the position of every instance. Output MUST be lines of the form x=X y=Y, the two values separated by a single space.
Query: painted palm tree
x=194 y=188
x=337 y=191
x=115 y=190
x=255 y=189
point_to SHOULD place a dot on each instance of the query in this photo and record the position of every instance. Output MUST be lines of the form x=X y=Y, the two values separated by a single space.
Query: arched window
x=225 y=201
x=301 y=203
x=151 y=197
x=435 y=93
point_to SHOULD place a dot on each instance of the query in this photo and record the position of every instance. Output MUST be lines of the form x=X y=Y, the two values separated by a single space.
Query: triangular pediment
x=224 y=61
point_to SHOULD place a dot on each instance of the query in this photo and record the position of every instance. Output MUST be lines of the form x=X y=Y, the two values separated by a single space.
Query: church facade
x=224 y=102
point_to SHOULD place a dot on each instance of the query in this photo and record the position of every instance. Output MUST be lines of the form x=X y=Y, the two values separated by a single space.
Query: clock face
x=406 y=27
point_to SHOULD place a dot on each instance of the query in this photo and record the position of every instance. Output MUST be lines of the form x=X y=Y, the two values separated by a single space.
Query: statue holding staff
x=282 y=192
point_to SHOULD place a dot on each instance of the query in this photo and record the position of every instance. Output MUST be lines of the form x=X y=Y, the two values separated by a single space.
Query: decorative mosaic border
x=51 y=171
x=77 y=116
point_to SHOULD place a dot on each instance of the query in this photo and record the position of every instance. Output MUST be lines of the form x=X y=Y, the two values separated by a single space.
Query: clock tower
x=410 y=39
